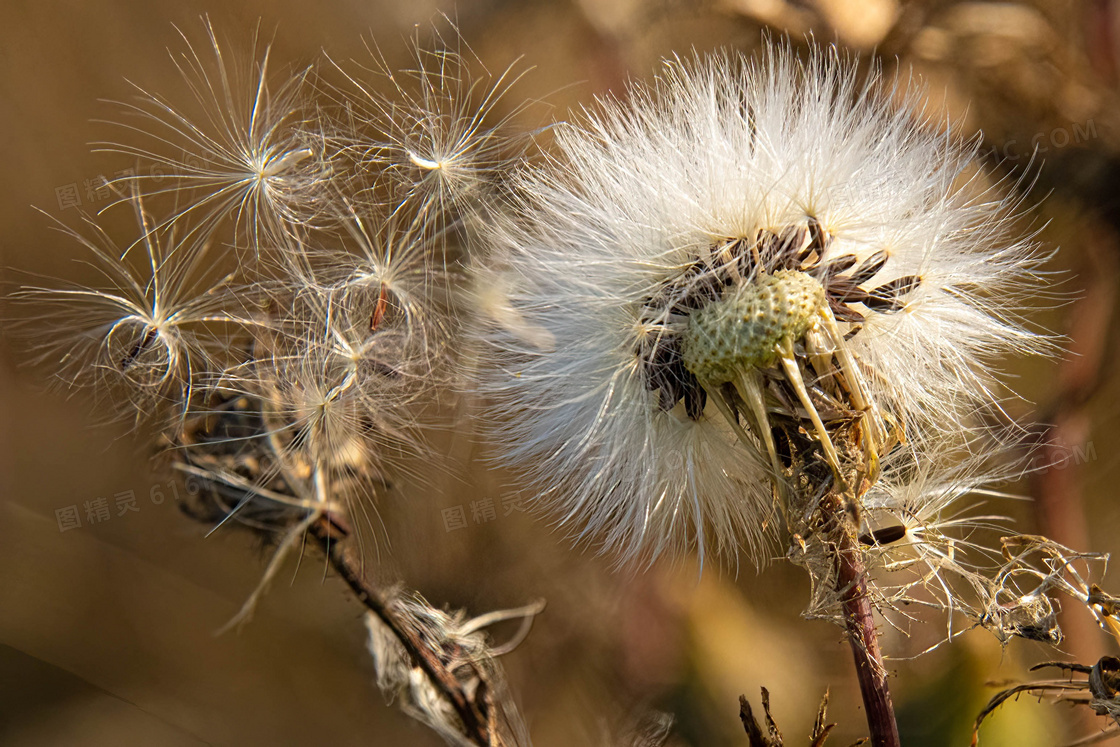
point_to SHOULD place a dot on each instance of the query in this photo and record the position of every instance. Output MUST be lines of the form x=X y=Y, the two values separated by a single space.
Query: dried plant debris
x=1014 y=594
x=1106 y=608
x=1099 y=690
x=768 y=735
x=462 y=649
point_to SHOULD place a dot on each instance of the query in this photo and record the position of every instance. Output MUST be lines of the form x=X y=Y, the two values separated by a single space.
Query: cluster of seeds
x=747 y=327
x=284 y=310
x=752 y=295
x=755 y=326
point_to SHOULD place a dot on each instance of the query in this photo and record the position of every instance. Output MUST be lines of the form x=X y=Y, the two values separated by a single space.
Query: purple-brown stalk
x=851 y=583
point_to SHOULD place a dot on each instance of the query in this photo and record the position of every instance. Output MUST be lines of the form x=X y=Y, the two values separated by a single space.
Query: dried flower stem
x=330 y=534
x=851 y=583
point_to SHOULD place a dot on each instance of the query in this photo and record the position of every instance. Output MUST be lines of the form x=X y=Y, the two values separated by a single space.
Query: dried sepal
x=462 y=648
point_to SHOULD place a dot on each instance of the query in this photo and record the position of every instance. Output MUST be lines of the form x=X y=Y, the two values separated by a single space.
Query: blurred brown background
x=106 y=631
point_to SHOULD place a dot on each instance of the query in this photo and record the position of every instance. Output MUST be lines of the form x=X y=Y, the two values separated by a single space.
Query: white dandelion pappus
x=396 y=269
x=925 y=542
x=149 y=332
x=437 y=143
x=249 y=147
x=737 y=244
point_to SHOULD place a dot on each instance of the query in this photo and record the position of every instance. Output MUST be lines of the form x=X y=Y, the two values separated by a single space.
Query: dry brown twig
x=772 y=737
x=440 y=665
x=1100 y=691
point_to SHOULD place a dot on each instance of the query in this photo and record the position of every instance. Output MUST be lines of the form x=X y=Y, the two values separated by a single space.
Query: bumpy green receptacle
x=745 y=327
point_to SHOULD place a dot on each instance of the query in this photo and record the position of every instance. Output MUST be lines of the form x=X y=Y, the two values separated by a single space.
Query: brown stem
x=851 y=582
x=329 y=535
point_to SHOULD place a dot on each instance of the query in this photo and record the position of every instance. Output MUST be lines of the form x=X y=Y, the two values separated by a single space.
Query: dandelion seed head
x=745 y=327
x=738 y=249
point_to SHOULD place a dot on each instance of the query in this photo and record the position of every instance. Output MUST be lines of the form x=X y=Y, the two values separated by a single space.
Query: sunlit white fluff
x=438 y=143
x=146 y=332
x=247 y=146
x=928 y=533
x=719 y=148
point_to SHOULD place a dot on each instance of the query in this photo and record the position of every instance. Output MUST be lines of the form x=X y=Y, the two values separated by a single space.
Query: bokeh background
x=107 y=630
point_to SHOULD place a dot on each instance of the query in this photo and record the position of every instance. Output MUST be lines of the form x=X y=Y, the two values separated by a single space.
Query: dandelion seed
x=433 y=140
x=147 y=333
x=252 y=150
x=393 y=274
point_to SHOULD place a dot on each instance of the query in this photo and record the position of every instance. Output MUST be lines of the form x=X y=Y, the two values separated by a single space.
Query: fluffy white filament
x=716 y=149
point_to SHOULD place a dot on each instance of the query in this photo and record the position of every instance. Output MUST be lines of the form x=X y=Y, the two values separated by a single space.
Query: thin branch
x=329 y=533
